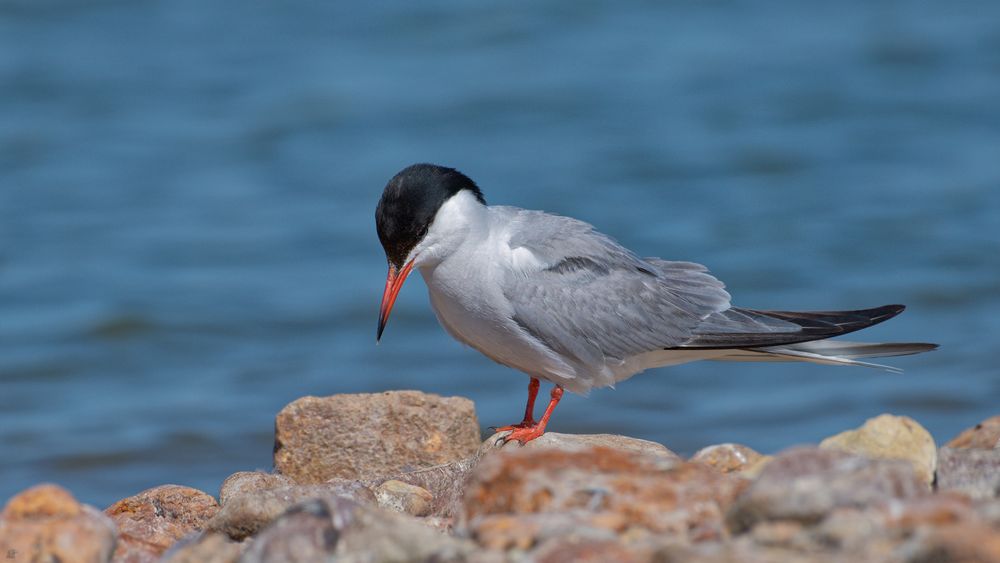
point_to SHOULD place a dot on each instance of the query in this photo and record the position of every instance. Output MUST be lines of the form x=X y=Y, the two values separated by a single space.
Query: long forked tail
x=751 y=335
x=831 y=352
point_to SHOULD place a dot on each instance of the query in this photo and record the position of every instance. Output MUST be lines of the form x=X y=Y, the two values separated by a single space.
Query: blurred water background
x=187 y=191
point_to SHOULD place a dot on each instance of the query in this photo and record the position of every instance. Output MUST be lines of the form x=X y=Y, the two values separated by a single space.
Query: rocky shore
x=403 y=476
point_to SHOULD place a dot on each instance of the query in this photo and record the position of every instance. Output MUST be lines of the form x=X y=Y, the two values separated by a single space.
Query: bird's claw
x=520 y=434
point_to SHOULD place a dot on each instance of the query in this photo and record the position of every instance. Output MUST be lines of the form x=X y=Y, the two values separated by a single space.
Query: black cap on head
x=409 y=203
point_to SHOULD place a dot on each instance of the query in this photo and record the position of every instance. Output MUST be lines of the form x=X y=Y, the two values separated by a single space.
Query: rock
x=153 y=520
x=942 y=509
x=983 y=436
x=243 y=482
x=727 y=458
x=306 y=532
x=369 y=435
x=974 y=472
x=804 y=484
x=519 y=493
x=404 y=497
x=446 y=483
x=577 y=442
x=204 y=548
x=335 y=528
x=245 y=514
x=45 y=523
x=890 y=437
x=753 y=470
x=572 y=548
x=967 y=543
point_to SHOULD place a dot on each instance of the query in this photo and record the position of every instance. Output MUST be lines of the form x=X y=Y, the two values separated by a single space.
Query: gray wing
x=594 y=301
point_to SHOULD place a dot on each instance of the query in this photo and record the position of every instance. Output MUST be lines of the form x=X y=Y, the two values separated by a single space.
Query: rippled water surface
x=187 y=191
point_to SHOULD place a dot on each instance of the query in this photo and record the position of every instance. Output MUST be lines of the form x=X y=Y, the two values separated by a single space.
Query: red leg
x=529 y=410
x=529 y=433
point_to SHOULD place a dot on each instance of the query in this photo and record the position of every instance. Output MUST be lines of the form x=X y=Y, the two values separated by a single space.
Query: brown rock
x=45 y=523
x=890 y=437
x=727 y=458
x=404 y=497
x=804 y=484
x=245 y=514
x=153 y=520
x=983 y=436
x=243 y=482
x=368 y=435
x=974 y=472
x=597 y=488
x=204 y=548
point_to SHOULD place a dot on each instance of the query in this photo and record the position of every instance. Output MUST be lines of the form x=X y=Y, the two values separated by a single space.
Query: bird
x=552 y=297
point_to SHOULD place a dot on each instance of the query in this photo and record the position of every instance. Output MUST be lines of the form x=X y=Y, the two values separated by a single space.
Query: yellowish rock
x=890 y=437
x=404 y=497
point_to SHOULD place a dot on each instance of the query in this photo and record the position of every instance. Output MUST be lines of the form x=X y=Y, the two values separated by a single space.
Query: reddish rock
x=596 y=488
x=370 y=435
x=153 y=520
x=804 y=484
x=45 y=523
x=727 y=458
x=983 y=436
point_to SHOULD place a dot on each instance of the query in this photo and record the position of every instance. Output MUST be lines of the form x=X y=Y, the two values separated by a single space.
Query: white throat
x=459 y=219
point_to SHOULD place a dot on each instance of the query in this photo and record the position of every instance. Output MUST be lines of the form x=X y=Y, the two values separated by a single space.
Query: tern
x=556 y=299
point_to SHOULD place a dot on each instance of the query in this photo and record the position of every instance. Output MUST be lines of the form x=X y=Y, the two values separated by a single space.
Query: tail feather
x=831 y=352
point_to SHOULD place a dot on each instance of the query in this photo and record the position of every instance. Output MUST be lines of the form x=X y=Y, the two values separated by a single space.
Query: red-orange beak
x=393 y=283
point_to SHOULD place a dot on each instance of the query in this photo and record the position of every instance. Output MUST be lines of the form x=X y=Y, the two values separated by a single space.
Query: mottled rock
x=204 y=548
x=975 y=472
x=404 y=497
x=366 y=435
x=983 y=436
x=45 y=523
x=245 y=514
x=243 y=482
x=804 y=484
x=555 y=440
x=334 y=528
x=153 y=520
x=596 y=488
x=890 y=437
x=727 y=458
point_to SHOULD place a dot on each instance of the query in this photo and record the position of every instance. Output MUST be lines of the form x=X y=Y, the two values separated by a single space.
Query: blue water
x=187 y=191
